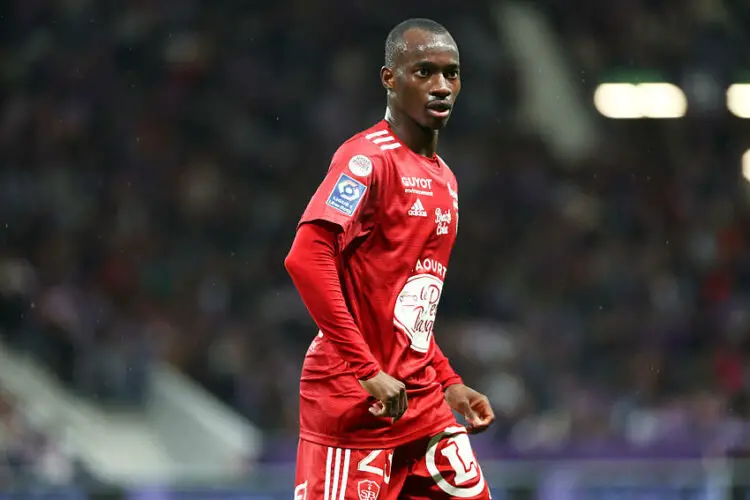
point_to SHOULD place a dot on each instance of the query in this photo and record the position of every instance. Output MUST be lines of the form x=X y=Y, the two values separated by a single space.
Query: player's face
x=426 y=79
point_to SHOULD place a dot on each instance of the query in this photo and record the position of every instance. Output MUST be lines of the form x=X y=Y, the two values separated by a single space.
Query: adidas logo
x=417 y=210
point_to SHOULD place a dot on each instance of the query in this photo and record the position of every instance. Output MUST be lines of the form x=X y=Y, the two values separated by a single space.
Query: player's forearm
x=311 y=263
x=444 y=371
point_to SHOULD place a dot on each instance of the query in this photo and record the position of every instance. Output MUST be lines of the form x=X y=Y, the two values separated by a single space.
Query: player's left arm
x=473 y=405
x=446 y=375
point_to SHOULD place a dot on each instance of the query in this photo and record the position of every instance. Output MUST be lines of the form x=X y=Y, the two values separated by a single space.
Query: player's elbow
x=312 y=254
x=298 y=263
x=293 y=263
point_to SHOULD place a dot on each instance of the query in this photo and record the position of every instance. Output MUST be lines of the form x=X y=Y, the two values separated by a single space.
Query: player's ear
x=386 y=77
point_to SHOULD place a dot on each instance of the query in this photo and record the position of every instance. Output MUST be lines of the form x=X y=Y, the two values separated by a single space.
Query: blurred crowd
x=155 y=157
x=27 y=454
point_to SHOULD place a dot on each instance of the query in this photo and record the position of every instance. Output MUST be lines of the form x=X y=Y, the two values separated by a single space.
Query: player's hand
x=474 y=406
x=390 y=394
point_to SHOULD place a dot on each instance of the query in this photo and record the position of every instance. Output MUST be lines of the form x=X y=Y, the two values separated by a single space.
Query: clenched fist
x=390 y=394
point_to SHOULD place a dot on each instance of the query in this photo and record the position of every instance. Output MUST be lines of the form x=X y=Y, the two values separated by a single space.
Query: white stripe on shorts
x=345 y=473
x=326 y=494
x=337 y=474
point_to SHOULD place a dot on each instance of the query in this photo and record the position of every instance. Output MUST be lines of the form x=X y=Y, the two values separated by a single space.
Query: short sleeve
x=347 y=194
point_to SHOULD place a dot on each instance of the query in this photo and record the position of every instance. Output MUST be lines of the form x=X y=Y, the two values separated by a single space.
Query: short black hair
x=394 y=44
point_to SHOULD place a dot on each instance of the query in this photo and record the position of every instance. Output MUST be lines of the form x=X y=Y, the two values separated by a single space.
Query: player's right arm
x=336 y=214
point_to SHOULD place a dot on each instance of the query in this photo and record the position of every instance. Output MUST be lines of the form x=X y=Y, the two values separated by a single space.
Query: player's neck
x=420 y=140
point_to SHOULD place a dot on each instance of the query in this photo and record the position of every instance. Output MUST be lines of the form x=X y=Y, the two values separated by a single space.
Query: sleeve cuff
x=368 y=371
x=451 y=381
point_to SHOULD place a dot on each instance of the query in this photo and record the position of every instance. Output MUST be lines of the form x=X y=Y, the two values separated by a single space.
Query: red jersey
x=398 y=211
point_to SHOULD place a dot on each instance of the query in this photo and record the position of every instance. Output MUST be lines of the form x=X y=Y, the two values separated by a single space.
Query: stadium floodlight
x=746 y=165
x=738 y=99
x=656 y=100
x=616 y=100
x=661 y=100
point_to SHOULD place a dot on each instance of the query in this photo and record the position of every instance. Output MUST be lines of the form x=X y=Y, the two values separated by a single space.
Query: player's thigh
x=446 y=469
x=329 y=473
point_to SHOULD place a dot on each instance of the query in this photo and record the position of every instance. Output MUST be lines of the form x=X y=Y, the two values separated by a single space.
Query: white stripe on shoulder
x=376 y=134
x=384 y=139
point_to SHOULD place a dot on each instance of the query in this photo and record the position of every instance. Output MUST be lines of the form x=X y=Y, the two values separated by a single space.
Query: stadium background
x=154 y=158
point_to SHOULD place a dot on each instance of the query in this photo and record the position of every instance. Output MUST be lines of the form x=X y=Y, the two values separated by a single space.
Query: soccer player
x=369 y=260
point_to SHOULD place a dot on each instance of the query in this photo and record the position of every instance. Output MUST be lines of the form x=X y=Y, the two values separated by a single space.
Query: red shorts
x=443 y=467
